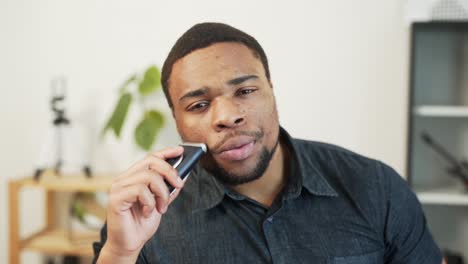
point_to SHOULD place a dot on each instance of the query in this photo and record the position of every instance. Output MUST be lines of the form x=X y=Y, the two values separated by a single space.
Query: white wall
x=339 y=70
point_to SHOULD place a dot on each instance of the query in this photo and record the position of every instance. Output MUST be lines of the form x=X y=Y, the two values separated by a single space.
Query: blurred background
x=340 y=70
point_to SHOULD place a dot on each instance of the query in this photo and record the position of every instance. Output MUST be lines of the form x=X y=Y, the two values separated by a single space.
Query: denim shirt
x=337 y=207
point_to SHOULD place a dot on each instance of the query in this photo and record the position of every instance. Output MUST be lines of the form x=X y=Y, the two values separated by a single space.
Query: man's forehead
x=220 y=51
x=221 y=60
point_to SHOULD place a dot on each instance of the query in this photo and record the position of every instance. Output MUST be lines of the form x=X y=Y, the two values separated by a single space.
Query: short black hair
x=203 y=35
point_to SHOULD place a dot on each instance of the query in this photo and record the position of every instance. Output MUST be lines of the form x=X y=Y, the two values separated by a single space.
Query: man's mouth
x=237 y=149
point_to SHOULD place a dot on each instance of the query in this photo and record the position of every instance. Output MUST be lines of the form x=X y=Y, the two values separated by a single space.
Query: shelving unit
x=52 y=239
x=441 y=111
x=55 y=242
x=439 y=108
x=443 y=196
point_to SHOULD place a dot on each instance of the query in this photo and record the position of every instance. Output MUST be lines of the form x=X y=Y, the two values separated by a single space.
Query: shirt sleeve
x=97 y=246
x=407 y=237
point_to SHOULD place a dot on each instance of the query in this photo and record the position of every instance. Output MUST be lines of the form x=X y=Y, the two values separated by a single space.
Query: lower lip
x=238 y=154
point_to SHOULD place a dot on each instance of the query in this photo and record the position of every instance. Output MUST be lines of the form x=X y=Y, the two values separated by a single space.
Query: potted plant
x=136 y=90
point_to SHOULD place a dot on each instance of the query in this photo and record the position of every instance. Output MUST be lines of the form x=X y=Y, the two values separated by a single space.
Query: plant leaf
x=151 y=81
x=148 y=129
x=123 y=87
x=157 y=116
x=117 y=119
x=78 y=210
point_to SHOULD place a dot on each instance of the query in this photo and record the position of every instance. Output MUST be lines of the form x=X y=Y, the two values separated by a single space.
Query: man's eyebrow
x=194 y=93
x=241 y=79
x=204 y=90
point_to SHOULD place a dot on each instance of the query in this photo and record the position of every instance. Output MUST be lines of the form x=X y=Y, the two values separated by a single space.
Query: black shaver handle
x=184 y=163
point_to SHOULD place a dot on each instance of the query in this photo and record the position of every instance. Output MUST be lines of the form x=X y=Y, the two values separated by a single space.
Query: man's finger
x=125 y=198
x=143 y=164
x=161 y=193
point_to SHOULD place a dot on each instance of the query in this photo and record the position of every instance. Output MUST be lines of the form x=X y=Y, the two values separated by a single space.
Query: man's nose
x=227 y=114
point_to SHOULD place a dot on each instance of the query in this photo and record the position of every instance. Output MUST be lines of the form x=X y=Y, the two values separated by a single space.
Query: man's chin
x=240 y=172
x=234 y=178
x=239 y=167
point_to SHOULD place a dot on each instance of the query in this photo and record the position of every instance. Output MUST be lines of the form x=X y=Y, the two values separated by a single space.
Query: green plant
x=146 y=132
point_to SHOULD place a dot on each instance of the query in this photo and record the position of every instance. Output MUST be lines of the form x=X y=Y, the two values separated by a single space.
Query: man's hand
x=137 y=200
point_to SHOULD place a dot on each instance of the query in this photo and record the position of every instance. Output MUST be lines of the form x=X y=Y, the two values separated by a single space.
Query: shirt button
x=270 y=219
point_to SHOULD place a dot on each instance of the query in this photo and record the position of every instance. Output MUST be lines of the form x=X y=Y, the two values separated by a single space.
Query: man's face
x=221 y=97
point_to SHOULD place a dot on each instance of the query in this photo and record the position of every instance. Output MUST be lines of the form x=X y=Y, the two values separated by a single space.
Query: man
x=258 y=196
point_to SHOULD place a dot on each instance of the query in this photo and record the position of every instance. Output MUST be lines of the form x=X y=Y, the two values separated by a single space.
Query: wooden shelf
x=56 y=241
x=441 y=111
x=69 y=183
x=52 y=239
x=443 y=196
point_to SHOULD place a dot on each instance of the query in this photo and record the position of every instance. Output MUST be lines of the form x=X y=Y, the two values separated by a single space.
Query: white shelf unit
x=443 y=196
x=439 y=108
x=441 y=111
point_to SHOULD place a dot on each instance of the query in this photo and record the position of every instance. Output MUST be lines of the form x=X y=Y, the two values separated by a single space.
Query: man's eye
x=197 y=107
x=246 y=91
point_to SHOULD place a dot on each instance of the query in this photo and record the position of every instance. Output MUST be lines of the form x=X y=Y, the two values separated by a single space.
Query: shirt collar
x=306 y=170
x=211 y=192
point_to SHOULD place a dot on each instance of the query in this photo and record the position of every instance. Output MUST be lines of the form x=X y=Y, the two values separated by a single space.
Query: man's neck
x=265 y=189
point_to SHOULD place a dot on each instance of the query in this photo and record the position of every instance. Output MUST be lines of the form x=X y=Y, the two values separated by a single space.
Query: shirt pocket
x=370 y=258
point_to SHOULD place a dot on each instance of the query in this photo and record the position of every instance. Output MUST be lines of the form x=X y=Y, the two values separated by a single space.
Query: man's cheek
x=192 y=135
x=189 y=130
